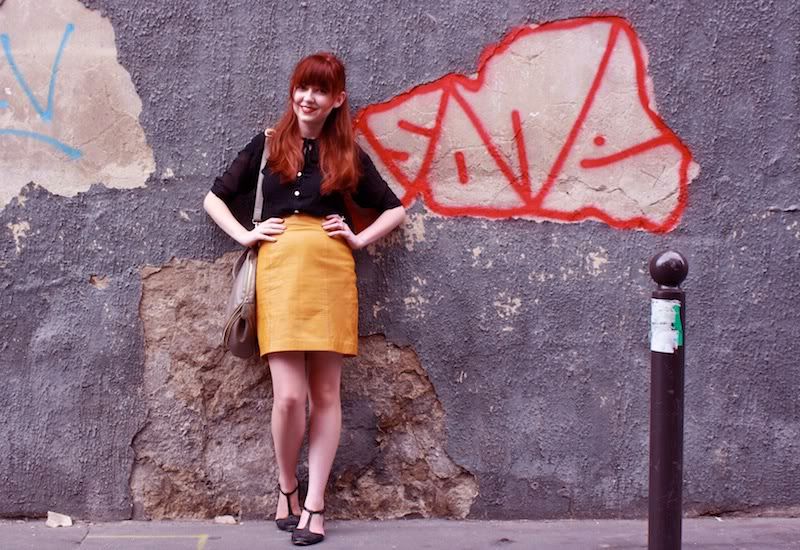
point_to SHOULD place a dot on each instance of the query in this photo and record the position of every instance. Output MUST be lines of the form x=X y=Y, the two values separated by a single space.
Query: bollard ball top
x=669 y=268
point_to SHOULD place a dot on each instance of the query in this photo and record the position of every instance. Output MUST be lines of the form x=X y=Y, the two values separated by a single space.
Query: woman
x=305 y=284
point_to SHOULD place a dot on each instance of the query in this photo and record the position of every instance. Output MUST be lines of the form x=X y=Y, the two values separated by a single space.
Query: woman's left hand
x=335 y=226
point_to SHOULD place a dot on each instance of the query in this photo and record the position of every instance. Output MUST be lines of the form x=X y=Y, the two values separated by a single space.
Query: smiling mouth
x=307 y=109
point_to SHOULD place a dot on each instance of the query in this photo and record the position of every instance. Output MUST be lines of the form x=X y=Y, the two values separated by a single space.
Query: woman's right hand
x=264 y=231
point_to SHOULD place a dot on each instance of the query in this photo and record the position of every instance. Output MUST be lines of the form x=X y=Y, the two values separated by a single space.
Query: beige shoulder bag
x=240 y=333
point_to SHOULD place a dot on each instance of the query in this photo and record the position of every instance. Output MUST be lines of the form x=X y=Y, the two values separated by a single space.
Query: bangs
x=317 y=71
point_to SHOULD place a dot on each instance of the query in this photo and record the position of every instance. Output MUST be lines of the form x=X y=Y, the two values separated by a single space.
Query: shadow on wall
x=559 y=123
x=206 y=448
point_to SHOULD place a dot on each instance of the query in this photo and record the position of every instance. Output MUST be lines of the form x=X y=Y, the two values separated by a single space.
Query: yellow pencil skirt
x=306 y=296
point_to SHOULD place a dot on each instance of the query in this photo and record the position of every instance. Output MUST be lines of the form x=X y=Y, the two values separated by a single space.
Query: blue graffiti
x=64 y=148
x=46 y=112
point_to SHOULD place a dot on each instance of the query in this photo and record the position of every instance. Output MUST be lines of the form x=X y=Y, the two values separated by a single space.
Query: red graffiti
x=458 y=136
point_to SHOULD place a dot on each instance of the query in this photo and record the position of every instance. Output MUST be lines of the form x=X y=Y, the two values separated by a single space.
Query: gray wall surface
x=536 y=350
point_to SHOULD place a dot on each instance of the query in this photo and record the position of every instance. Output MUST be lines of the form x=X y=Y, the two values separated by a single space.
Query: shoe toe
x=287 y=524
x=303 y=537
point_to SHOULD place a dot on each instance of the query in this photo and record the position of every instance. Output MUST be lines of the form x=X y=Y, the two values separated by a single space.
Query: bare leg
x=289 y=389
x=325 y=405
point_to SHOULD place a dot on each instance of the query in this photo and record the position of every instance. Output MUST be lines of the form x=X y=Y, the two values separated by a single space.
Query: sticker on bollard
x=666 y=329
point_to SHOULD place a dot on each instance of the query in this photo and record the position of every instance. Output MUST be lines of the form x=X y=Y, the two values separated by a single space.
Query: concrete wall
x=505 y=359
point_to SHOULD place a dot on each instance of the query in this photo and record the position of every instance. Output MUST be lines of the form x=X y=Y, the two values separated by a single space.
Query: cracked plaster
x=92 y=111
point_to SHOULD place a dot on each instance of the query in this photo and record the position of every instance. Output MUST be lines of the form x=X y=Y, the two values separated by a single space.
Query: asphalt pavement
x=416 y=534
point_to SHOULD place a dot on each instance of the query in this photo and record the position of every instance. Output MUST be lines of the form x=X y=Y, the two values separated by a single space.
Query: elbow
x=207 y=202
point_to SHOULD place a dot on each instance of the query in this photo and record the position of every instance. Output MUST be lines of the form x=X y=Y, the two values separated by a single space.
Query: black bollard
x=667 y=322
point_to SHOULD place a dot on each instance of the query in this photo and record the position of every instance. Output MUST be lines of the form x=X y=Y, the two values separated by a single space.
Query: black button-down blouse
x=302 y=195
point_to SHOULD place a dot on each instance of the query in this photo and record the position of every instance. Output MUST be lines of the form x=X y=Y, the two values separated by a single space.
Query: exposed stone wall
x=206 y=448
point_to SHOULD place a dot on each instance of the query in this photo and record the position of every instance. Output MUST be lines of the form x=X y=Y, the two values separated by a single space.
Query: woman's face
x=312 y=106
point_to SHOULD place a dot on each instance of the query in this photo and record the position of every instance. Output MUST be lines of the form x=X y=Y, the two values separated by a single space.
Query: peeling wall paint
x=558 y=123
x=530 y=338
x=68 y=109
x=19 y=231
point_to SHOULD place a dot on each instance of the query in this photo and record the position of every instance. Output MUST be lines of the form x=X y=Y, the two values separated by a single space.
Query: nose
x=306 y=96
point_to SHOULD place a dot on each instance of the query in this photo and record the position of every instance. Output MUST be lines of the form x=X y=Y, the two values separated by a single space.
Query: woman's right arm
x=223 y=217
x=239 y=178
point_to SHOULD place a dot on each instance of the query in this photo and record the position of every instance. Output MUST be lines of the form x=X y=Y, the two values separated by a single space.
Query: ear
x=339 y=99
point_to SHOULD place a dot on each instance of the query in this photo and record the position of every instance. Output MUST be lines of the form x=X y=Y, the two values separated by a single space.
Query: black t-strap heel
x=290 y=522
x=305 y=536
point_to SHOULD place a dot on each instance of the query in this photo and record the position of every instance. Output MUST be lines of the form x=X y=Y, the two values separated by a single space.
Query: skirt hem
x=345 y=350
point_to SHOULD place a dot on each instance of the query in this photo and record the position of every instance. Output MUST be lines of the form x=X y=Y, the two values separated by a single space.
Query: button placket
x=297 y=184
x=296 y=192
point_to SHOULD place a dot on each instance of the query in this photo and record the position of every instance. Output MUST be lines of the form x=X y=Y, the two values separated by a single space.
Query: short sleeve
x=242 y=174
x=372 y=190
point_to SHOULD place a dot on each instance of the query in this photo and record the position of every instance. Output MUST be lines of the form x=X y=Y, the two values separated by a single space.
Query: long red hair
x=338 y=153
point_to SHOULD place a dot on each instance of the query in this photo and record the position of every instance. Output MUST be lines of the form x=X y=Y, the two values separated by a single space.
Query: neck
x=309 y=131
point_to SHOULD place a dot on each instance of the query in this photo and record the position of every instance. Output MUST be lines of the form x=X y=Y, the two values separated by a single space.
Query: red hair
x=338 y=153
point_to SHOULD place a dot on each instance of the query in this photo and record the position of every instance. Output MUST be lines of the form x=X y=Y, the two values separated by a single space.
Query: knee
x=325 y=396
x=289 y=403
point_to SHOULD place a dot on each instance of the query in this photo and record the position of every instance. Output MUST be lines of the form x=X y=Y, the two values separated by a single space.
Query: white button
x=297 y=193
x=296 y=211
x=299 y=174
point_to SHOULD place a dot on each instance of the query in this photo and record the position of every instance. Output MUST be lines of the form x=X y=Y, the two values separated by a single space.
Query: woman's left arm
x=383 y=225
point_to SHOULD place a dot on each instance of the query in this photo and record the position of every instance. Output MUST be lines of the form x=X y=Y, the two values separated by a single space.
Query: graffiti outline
x=532 y=203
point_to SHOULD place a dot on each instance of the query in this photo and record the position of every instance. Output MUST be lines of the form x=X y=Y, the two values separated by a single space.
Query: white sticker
x=666 y=329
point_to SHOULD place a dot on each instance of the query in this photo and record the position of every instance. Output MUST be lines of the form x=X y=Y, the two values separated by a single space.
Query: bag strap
x=259 y=206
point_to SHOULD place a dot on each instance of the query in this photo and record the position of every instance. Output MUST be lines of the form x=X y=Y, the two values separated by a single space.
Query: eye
x=599 y=140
